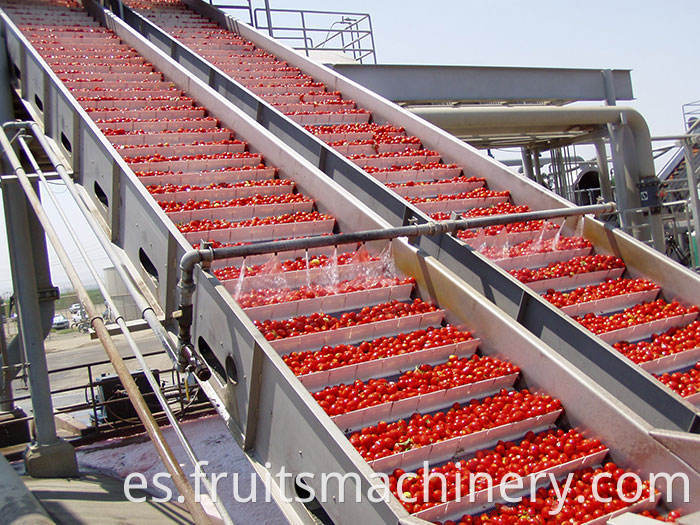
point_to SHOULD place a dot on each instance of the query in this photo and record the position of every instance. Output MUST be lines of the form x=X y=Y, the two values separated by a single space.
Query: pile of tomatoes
x=182 y=107
x=672 y=341
x=261 y=297
x=211 y=131
x=223 y=142
x=320 y=322
x=157 y=157
x=478 y=193
x=376 y=141
x=293 y=265
x=634 y=315
x=574 y=266
x=580 y=505
x=408 y=152
x=513 y=227
x=354 y=128
x=461 y=179
x=416 y=166
x=177 y=188
x=221 y=224
x=595 y=292
x=359 y=111
x=285 y=198
x=148 y=98
x=329 y=357
x=535 y=453
x=189 y=120
x=507 y=406
x=502 y=208
x=250 y=167
x=534 y=246
x=339 y=399
x=685 y=383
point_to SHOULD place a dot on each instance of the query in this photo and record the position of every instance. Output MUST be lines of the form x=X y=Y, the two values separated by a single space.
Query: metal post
x=603 y=170
x=609 y=86
x=19 y=238
x=155 y=386
x=6 y=112
x=527 y=163
x=626 y=166
x=269 y=18
x=538 y=168
x=626 y=191
x=6 y=398
x=92 y=395
x=47 y=455
x=693 y=190
x=558 y=162
x=303 y=32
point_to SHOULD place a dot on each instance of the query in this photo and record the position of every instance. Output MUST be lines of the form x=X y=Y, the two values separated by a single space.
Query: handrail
x=354 y=45
x=247 y=7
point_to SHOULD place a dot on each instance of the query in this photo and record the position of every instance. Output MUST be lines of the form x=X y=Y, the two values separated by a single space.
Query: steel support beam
x=603 y=170
x=419 y=83
x=22 y=236
x=527 y=163
x=6 y=111
x=538 y=168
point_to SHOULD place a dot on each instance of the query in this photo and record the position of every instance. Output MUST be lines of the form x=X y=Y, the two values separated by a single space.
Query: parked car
x=60 y=322
x=75 y=308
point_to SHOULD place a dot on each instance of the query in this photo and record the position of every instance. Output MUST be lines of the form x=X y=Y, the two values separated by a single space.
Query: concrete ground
x=240 y=489
x=96 y=499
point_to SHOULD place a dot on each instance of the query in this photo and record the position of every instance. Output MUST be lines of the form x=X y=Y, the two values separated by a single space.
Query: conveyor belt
x=536 y=253
x=438 y=189
x=400 y=378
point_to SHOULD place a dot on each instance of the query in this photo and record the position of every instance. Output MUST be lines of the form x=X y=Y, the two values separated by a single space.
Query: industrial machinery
x=199 y=145
x=118 y=408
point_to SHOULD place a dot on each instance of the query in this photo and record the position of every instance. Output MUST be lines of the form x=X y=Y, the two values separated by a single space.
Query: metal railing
x=691 y=115
x=244 y=5
x=310 y=30
x=177 y=392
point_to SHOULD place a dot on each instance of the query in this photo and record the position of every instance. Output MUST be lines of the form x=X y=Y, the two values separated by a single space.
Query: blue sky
x=658 y=40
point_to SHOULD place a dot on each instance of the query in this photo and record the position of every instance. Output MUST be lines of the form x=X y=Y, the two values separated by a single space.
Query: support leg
x=527 y=163
x=47 y=455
